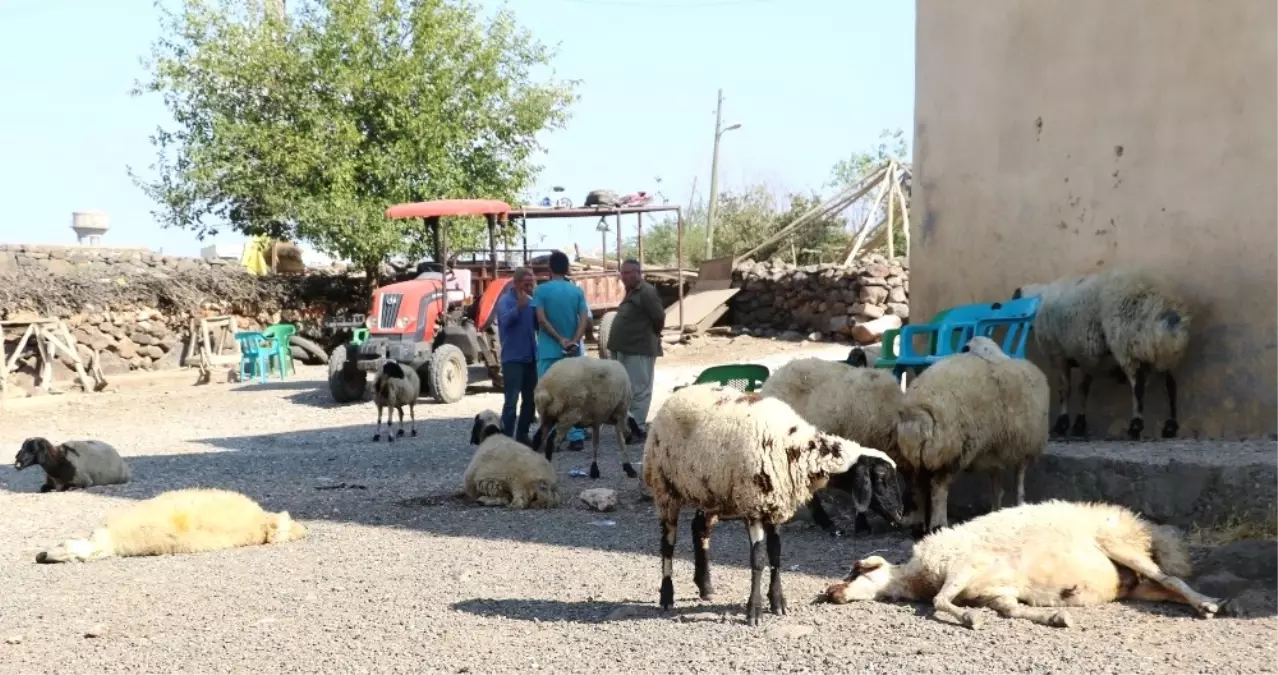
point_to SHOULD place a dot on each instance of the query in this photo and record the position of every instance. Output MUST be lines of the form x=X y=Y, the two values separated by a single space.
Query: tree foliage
x=308 y=126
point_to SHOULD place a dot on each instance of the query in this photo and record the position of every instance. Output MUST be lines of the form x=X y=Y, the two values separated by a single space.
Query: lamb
x=857 y=403
x=1050 y=555
x=979 y=409
x=504 y=472
x=73 y=464
x=1125 y=317
x=738 y=455
x=191 y=520
x=394 y=388
x=583 y=391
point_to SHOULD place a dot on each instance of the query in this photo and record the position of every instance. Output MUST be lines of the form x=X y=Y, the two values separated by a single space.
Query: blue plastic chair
x=961 y=324
x=256 y=351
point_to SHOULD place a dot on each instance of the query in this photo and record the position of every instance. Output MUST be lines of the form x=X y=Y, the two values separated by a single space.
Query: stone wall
x=134 y=307
x=779 y=298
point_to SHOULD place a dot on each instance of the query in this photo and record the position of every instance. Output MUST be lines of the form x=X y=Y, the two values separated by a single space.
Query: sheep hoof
x=1061 y=426
x=776 y=603
x=972 y=619
x=1208 y=608
x=835 y=532
x=390 y=438
x=705 y=591
x=400 y=433
x=1079 y=430
x=594 y=470
x=1170 y=428
x=752 y=612
x=1135 y=428
x=377 y=437
x=630 y=470
x=413 y=432
x=667 y=593
x=1061 y=619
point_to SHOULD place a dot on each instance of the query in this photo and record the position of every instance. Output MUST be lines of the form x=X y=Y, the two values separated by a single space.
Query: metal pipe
x=639 y=240
x=679 y=255
x=618 y=243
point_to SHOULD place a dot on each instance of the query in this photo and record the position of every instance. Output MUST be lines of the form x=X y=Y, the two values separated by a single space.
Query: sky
x=810 y=82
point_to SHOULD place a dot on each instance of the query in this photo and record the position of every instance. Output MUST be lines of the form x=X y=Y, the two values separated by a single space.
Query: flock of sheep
x=758 y=457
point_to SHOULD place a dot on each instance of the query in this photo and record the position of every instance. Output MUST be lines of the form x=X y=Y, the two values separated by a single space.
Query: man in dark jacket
x=635 y=341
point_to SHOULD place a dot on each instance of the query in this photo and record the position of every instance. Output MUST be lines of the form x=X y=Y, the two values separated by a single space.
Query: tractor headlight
x=403 y=322
x=370 y=322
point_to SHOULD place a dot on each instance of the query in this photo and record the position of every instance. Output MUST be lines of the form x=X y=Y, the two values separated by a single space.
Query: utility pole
x=719 y=131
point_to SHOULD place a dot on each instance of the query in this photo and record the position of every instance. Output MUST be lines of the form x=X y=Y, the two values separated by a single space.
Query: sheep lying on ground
x=192 y=520
x=73 y=464
x=1128 y=317
x=737 y=455
x=505 y=472
x=1048 y=555
x=584 y=391
x=857 y=403
x=394 y=388
x=980 y=409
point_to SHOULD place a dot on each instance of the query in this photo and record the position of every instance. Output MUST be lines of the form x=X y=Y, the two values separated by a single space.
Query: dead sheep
x=1124 y=319
x=73 y=464
x=1050 y=555
x=980 y=410
x=393 y=388
x=505 y=472
x=191 y=520
x=735 y=455
x=583 y=391
x=854 y=402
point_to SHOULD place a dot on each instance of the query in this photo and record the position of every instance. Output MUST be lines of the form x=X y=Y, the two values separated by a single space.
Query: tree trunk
x=372 y=277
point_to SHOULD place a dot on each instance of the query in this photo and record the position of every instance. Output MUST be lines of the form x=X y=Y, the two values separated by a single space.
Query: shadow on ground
x=596 y=612
x=413 y=483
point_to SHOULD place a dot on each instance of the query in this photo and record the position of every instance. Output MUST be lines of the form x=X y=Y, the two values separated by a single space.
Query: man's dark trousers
x=520 y=380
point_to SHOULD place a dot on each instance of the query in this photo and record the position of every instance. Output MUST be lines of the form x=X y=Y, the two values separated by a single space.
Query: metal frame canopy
x=586 y=211
x=440 y=208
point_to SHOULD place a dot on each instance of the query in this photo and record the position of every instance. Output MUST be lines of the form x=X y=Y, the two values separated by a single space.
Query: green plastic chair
x=279 y=334
x=887 y=357
x=359 y=336
x=741 y=376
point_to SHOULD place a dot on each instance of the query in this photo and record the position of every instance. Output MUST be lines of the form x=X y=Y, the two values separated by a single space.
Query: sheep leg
x=626 y=466
x=412 y=417
x=1020 y=482
x=758 y=560
x=940 y=499
x=996 y=489
x=1150 y=591
x=669 y=534
x=922 y=502
x=1171 y=427
x=823 y=519
x=377 y=436
x=1079 y=430
x=594 y=443
x=1008 y=607
x=955 y=582
x=1140 y=563
x=776 y=597
x=702 y=524
x=1062 y=369
x=400 y=432
x=550 y=438
x=48 y=484
x=1137 y=373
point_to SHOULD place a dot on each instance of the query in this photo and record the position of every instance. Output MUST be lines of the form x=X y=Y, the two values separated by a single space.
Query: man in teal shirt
x=562 y=316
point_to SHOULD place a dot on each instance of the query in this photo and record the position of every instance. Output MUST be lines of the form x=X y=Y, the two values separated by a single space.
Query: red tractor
x=433 y=323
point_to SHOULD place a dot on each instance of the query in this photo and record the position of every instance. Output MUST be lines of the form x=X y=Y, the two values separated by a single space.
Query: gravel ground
x=391 y=582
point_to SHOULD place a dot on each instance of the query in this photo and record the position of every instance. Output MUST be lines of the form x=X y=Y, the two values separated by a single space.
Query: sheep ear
x=862 y=486
x=474 y=431
x=868 y=564
x=1016 y=294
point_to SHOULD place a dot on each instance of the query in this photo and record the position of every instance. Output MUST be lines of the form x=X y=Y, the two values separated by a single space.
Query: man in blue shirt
x=562 y=315
x=517 y=330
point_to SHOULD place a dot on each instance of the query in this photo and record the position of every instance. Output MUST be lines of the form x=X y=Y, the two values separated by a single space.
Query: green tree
x=309 y=125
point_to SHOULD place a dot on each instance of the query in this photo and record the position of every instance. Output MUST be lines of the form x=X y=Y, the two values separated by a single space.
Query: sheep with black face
x=73 y=464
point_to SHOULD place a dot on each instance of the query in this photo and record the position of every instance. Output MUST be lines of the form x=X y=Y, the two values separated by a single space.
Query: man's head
x=523 y=280
x=559 y=263
x=631 y=274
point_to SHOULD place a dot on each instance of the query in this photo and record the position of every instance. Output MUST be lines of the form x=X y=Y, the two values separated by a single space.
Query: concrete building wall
x=1060 y=136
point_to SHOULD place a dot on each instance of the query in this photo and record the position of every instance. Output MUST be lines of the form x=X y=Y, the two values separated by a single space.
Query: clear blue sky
x=809 y=80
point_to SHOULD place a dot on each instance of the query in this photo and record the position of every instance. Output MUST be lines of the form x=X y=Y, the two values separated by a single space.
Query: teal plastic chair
x=747 y=377
x=887 y=357
x=255 y=354
x=283 y=354
x=964 y=322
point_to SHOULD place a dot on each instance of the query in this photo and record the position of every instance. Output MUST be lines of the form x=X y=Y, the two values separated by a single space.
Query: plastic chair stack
x=279 y=334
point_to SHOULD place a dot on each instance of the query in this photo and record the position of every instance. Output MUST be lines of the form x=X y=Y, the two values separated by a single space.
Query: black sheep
x=73 y=464
x=394 y=388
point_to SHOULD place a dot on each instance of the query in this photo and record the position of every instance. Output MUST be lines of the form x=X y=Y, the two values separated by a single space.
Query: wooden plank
x=697 y=306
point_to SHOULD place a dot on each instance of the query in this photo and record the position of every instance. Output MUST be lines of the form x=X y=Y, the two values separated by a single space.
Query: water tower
x=89 y=226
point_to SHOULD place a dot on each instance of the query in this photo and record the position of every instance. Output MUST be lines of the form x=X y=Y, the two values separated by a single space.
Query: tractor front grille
x=389 y=310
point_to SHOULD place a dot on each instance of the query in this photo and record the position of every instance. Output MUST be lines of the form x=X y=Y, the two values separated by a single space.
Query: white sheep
x=393 y=388
x=505 y=472
x=192 y=520
x=979 y=409
x=1124 y=317
x=738 y=455
x=73 y=464
x=854 y=402
x=583 y=391
x=1049 y=555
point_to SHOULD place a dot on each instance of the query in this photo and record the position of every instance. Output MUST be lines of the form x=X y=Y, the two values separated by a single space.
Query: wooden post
x=905 y=216
x=891 y=209
x=639 y=240
x=679 y=264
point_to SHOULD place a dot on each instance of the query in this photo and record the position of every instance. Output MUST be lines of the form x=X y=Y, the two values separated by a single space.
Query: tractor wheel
x=605 y=329
x=448 y=375
x=345 y=383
